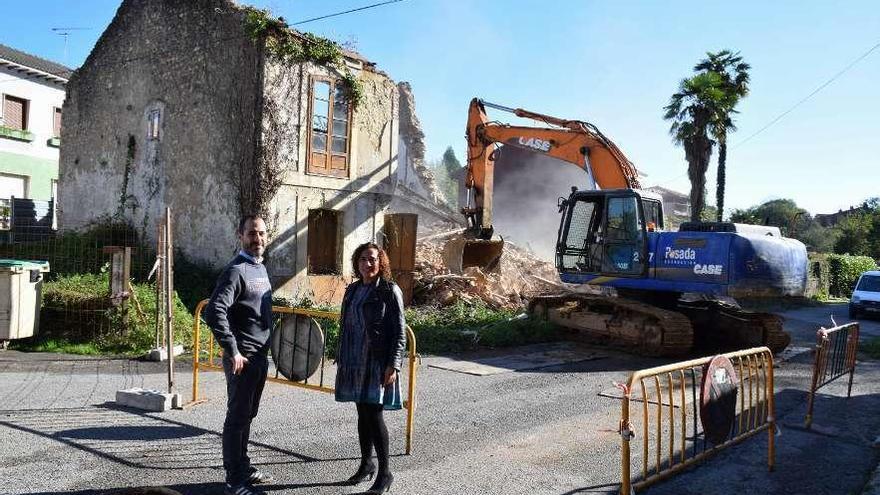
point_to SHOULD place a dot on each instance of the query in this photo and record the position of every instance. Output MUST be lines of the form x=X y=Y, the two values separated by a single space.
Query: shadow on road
x=139 y=439
x=190 y=489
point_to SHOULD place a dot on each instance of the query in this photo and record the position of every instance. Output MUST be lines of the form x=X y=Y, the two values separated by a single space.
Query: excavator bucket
x=462 y=252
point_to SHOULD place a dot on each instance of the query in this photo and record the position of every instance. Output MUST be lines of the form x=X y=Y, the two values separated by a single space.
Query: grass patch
x=462 y=327
x=60 y=346
x=456 y=328
x=77 y=318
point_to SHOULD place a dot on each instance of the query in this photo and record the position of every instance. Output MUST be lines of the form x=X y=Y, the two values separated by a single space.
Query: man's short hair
x=244 y=220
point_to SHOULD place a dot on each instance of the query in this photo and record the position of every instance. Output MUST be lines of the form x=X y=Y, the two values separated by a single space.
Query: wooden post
x=169 y=288
x=120 y=273
x=120 y=276
x=160 y=281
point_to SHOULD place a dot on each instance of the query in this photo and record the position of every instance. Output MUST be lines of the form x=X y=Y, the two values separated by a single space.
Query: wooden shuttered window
x=323 y=242
x=329 y=129
x=15 y=112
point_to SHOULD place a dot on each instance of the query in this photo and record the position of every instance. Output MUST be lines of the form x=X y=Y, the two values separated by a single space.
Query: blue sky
x=611 y=63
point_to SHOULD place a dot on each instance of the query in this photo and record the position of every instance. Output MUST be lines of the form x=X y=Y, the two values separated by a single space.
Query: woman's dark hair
x=384 y=264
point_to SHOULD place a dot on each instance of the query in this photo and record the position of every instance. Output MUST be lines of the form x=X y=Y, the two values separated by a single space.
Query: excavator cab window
x=653 y=214
x=602 y=233
x=624 y=237
x=579 y=247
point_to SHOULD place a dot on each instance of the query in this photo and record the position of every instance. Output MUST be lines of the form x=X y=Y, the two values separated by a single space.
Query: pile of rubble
x=519 y=275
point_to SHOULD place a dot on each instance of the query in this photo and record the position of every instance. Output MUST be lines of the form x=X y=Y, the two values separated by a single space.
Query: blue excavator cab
x=616 y=238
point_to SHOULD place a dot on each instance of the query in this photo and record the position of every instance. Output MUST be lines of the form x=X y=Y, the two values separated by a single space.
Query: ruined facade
x=417 y=190
x=176 y=106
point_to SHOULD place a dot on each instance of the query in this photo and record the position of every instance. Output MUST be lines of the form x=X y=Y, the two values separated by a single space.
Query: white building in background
x=31 y=97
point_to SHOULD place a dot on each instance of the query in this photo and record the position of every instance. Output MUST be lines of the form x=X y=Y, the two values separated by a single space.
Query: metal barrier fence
x=409 y=404
x=835 y=357
x=677 y=447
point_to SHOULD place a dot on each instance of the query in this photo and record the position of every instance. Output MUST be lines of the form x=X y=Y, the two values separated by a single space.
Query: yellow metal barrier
x=755 y=374
x=409 y=404
x=835 y=353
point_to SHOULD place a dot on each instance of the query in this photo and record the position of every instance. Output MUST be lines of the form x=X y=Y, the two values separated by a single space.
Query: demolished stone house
x=215 y=110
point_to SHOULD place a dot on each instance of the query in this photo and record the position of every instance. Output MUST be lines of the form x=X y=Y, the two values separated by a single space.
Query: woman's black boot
x=381 y=485
x=365 y=472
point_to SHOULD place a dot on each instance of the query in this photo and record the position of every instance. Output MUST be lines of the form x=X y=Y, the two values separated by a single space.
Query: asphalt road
x=544 y=431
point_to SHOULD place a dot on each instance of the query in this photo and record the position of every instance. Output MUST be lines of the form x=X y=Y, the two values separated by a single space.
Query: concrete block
x=148 y=400
x=161 y=353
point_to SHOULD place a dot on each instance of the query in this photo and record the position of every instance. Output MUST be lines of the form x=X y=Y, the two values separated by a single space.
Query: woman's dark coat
x=383 y=321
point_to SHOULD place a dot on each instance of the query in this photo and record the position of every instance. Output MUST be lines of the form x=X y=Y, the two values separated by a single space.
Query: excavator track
x=720 y=326
x=643 y=328
x=650 y=330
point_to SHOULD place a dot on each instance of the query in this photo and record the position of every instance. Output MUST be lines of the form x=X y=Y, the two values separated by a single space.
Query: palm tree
x=735 y=76
x=697 y=104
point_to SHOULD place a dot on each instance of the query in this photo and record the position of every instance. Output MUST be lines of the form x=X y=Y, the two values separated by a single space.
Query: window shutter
x=14 y=113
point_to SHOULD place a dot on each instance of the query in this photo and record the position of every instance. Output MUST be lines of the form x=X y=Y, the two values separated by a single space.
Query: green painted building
x=31 y=98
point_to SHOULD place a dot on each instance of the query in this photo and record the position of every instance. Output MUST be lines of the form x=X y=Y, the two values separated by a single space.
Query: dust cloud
x=527 y=185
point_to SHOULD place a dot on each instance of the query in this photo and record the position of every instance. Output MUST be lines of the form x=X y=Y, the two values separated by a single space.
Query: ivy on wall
x=292 y=47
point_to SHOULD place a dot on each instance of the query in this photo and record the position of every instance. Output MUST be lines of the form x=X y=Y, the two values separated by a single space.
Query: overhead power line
x=802 y=100
x=297 y=23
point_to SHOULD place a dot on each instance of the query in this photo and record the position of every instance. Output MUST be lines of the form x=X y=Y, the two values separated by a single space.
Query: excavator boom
x=572 y=141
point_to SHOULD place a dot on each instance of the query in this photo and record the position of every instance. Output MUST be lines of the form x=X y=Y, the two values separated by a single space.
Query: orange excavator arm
x=573 y=141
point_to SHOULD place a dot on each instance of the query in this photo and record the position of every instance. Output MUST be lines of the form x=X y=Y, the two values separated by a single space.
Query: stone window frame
x=328 y=154
x=26 y=104
x=154 y=124
x=323 y=257
x=56 y=121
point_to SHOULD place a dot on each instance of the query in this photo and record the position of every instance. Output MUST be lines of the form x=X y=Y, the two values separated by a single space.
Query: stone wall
x=189 y=60
x=361 y=199
x=233 y=138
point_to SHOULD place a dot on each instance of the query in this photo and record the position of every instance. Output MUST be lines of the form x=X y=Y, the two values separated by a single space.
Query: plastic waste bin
x=21 y=284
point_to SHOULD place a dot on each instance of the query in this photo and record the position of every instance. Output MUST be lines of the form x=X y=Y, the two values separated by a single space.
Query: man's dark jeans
x=243 y=393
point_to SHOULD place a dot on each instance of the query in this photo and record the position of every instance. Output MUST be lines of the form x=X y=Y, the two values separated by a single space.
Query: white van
x=866 y=297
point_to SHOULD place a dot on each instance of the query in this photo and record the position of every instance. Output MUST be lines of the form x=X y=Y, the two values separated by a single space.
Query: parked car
x=866 y=296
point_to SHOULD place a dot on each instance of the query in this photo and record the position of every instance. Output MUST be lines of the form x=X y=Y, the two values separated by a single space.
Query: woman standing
x=371 y=346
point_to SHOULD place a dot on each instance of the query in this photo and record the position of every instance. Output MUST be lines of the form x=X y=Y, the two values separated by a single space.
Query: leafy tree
x=782 y=213
x=447 y=172
x=859 y=234
x=709 y=214
x=855 y=233
x=792 y=220
x=735 y=83
x=818 y=238
x=698 y=102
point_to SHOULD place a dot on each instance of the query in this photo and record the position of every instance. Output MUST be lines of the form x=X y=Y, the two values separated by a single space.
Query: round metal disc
x=297 y=347
x=718 y=393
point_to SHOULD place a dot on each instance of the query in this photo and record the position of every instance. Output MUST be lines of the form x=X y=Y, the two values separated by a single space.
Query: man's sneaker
x=242 y=489
x=260 y=478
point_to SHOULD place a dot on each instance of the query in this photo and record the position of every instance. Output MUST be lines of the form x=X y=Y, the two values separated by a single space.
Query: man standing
x=240 y=315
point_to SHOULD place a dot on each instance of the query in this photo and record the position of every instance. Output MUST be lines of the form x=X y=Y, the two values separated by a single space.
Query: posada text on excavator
x=670 y=291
